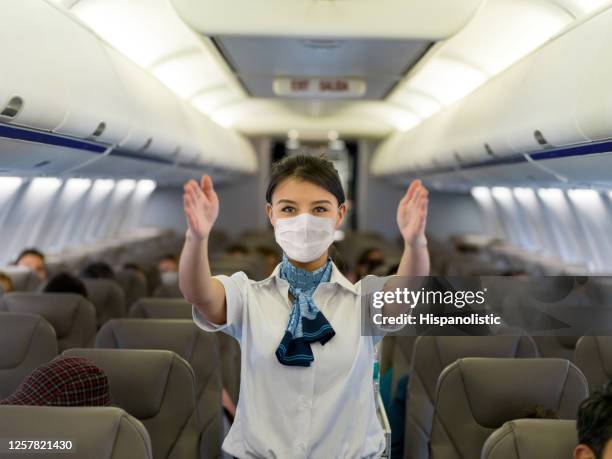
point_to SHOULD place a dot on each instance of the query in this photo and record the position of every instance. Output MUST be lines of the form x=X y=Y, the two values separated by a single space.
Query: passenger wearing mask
x=6 y=283
x=594 y=426
x=65 y=283
x=306 y=383
x=168 y=269
x=33 y=259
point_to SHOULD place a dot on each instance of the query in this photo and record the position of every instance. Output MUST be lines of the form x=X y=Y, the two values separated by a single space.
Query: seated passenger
x=369 y=260
x=595 y=426
x=33 y=259
x=98 y=270
x=236 y=250
x=6 y=283
x=168 y=267
x=65 y=283
x=65 y=381
x=136 y=268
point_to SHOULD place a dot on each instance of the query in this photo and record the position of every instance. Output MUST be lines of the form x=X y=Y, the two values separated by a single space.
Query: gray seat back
x=133 y=284
x=159 y=389
x=24 y=279
x=396 y=354
x=199 y=348
x=96 y=433
x=594 y=358
x=431 y=355
x=532 y=439
x=27 y=341
x=107 y=297
x=72 y=316
x=476 y=396
x=179 y=308
x=161 y=308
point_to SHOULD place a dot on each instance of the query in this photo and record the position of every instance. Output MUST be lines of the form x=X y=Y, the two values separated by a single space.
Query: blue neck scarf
x=306 y=323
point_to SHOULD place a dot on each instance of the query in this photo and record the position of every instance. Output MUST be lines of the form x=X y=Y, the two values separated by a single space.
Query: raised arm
x=411 y=220
x=201 y=206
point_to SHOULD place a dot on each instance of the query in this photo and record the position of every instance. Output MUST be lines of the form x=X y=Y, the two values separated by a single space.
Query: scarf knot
x=306 y=323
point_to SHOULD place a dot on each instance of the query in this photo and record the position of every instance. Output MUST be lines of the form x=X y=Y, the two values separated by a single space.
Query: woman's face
x=293 y=197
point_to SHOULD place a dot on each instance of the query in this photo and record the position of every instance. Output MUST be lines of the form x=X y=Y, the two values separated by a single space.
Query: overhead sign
x=323 y=88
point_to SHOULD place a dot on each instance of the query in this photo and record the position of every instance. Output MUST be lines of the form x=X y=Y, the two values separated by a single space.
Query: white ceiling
x=502 y=31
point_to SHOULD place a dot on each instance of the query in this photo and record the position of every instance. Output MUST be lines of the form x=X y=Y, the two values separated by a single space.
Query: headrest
x=138 y=378
x=532 y=439
x=17 y=333
x=95 y=432
x=162 y=308
x=498 y=390
x=59 y=309
x=179 y=336
x=65 y=381
x=23 y=278
x=594 y=357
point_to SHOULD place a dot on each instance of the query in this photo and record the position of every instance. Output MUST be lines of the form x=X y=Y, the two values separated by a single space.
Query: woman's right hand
x=201 y=206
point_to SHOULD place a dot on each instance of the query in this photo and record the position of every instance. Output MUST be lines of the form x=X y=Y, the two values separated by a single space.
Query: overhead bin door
x=157 y=123
x=32 y=92
x=544 y=112
x=96 y=100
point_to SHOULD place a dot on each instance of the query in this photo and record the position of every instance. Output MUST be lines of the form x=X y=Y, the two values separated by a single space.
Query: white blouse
x=326 y=410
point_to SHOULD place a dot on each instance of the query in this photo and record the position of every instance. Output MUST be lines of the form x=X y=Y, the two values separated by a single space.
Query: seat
x=594 y=358
x=24 y=279
x=430 y=356
x=532 y=439
x=27 y=341
x=133 y=284
x=161 y=308
x=476 y=396
x=179 y=308
x=107 y=297
x=168 y=291
x=96 y=433
x=72 y=316
x=159 y=389
x=199 y=348
x=559 y=347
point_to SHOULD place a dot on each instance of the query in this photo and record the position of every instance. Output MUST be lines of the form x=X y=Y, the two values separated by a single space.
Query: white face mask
x=169 y=277
x=304 y=238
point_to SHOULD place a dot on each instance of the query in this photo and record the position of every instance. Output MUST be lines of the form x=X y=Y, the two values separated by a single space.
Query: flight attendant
x=306 y=383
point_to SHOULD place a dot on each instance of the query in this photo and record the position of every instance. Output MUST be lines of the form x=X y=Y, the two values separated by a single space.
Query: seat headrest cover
x=532 y=439
x=65 y=381
x=59 y=309
x=497 y=391
x=16 y=336
x=100 y=432
x=131 y=372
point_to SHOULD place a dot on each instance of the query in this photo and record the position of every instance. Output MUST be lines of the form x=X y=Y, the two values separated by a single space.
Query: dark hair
x=30 y=251
x=237 y=248
x=594 y=422
x=97 y=270
x=313 y=169
x=66 y=283
x=539 y=412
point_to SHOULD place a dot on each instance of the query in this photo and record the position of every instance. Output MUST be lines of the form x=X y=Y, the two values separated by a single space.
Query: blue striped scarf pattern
x=306 y=323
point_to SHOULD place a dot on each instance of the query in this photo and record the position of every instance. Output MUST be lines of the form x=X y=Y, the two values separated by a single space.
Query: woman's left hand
x=412 y=214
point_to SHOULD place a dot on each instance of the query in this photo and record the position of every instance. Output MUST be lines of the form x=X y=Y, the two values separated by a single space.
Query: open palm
x=412 y=214
x=201 y=206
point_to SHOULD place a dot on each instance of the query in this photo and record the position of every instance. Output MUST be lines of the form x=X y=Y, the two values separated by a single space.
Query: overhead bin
x=32 y=89
x=557 y=98
x=96 y=100
x=157 y=126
